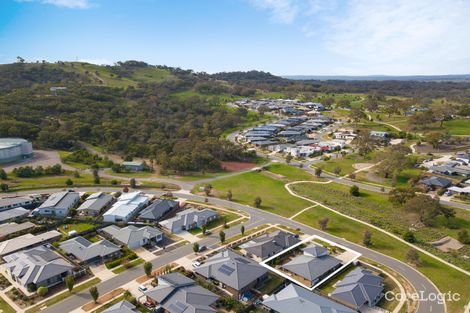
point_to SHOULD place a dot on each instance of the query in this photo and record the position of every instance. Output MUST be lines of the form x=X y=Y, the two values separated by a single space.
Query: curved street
x=257 y=217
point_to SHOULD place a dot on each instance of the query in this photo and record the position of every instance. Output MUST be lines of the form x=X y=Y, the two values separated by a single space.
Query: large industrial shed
x=14 y=149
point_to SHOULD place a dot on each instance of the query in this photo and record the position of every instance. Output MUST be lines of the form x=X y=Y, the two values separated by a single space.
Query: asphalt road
x=258 y=217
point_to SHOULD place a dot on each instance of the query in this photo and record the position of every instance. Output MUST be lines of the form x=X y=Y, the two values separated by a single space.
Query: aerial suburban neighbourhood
x=261 y=156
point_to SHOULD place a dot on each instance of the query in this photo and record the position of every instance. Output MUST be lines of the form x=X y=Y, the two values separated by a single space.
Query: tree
x=400 y=195
x=367 y=239
x=4 y=187
x=323 y=222
x=426 y=207
x=364 y=142
x=318 y=171
x=222 y=236
x=229 y=195
x=3 y=174
x=337 y=170
x=69 y=182
x=242 y=230
x=393 y=160
x=76 y=174
x=289 y=158
x=344 y=103
x=133 y=183
x=204 y=229
x=42 y=291
x=196 y=247
x=148 y=269
x=463 y=236
x=412 y=257
x=94 y=293
x=354 y=191
x=208 y=189
x=356 y=114
x=97 y=180
x=443 y=111
x=69 y=282
x=436 y=138
x=258 y=202
x=409 y=236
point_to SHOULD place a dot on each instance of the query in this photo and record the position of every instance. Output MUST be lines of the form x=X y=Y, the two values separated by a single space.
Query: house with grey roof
x=435 y=181
x=236 y=273
x=294 y=298
x=359 y=288
x=157 y=209
x=449 y=170
x=11 y=228
x=133 y=237
x=268 y=245
x=313 y=265
x=177 y=293
x=126 y=207
x=121 y=307
x=189 y=219
x=58 y=204
x=87 y=252
x=134 y=166
x=95 y=204
x=13 y=213
x=39 y=266
x=27 y=241
x=27 y=202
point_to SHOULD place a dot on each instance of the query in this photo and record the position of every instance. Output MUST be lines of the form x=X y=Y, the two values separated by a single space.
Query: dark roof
x=157 y=209
x=231 y=269
x=358 y=287
x=436 y=181
x=270 y=244
x=121 y=307
x=84 y=250
x=177 y=294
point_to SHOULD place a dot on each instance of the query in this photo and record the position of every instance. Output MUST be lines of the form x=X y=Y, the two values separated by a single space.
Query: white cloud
x=70 y=4
x=383 y=36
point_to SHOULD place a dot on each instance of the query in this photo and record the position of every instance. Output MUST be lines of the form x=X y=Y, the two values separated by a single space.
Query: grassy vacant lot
x=63 y=295
x=402 y=178
x=444 y=277
x=291 y=173
x=5 y=307
x=247 y=186
x=345 y=163
x=376 y=209
x=458 y=127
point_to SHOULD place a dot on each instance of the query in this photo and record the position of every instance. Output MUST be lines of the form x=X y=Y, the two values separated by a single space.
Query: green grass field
x=247 y=186
x=458 y=127
x=79 y=227
x=345 y=163
x=291 y=173
x=131 y=264
x=5 y=307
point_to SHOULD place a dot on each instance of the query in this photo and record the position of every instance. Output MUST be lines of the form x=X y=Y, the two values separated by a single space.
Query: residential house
x=379 y=134
x=95 y=204
x=26 y=202
x=157 y=209
x=177 y=293
x=11 y=228
x=39 y=266
x=449 y=170
x=27 y=241
x=189 y=219
x=134 y=166
x=459 y=190
x=294 y=298
x=358 y=289
x=313 y=265
x=132 y=236
x=236 y=273
x=13 y=214
x=87 y=252
x=435 y=182
x=58 y=204
x=268 y=245
x=126 y=207
x=121 y=307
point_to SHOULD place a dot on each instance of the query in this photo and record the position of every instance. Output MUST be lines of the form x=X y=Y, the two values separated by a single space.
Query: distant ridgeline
x=171 y=115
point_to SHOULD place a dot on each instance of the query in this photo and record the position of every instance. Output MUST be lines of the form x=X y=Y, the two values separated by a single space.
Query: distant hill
x=463 y=77
x=258 y=76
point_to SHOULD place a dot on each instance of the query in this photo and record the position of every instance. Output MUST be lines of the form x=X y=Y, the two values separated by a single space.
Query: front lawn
x=63 y=295
x=224 y=217
x=131 y=264
x=5 y=307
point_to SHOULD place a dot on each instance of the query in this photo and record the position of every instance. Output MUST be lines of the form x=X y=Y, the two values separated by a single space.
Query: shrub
x=42 y=291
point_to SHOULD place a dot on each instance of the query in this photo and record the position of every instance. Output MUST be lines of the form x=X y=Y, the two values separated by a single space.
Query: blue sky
x=284 y=37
